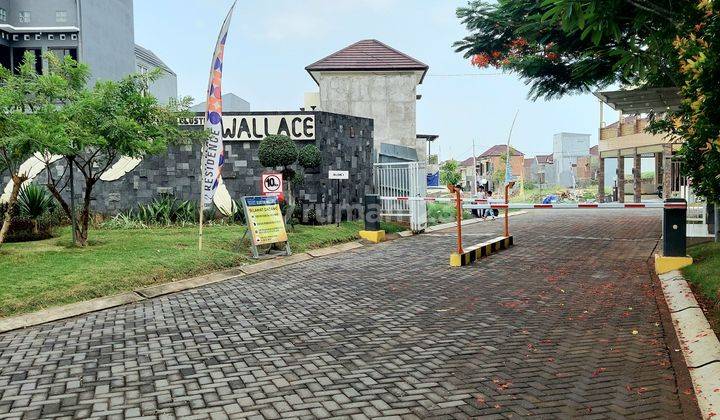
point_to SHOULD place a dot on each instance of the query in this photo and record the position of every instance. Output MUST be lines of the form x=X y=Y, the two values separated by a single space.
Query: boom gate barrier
x=674 y=220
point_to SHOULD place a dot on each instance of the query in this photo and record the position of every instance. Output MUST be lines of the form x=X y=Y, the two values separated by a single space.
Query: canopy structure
x=642 y=101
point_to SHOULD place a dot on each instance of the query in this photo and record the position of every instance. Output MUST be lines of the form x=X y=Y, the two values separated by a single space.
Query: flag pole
x=201 y=216
x=508 y=180
x=212 y=151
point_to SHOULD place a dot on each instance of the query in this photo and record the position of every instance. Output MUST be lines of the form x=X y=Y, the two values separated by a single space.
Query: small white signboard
x=339 y=174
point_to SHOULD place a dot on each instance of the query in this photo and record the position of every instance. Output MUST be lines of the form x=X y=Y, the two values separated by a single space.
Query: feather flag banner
x=213 y=154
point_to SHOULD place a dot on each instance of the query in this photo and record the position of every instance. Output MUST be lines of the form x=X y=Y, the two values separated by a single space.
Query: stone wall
x=344 y=141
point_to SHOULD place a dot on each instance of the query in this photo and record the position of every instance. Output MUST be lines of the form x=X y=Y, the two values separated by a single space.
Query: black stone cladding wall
x=344 y=141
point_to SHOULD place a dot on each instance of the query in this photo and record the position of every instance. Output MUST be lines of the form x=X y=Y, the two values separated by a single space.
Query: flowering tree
x=561 y=47
x=697 y=121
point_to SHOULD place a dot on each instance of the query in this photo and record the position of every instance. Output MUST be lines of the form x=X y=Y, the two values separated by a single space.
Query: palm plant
x=35 y=201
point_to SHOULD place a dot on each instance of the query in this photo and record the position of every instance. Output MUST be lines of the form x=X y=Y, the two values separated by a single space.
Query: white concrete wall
x=567 y=147
x=389 y=98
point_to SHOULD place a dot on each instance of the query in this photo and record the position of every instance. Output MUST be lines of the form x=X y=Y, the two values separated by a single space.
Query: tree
x=279 y=151
x=29 y=114
x=498 y=175
x=697 y=121
x=309 y=157
x=97 y=127
x=562 y=47
x=450 y=173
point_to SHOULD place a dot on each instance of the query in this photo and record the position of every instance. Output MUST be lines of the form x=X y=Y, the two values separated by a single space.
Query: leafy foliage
x=277 y=150
x=569 y=46
x=34 y=201
x=450 y=173
x=96 y=127
x=309 y=157
x=697 y=122
x=168 y=210
x=30 y=116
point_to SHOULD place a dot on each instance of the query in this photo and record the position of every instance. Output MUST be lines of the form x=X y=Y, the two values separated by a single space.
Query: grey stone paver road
x=564 y=324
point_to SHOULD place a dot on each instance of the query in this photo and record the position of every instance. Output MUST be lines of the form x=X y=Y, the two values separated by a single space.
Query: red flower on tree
x=480 y=60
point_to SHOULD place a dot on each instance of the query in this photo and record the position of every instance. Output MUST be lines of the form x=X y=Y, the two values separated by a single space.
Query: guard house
x=627 y=139
x=373 y=80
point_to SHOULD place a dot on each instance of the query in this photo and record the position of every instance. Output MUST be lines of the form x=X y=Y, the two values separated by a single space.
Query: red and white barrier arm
x=649 y=205
x=474 y=203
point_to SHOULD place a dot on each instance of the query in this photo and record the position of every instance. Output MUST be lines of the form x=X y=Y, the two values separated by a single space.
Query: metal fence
x=405 y=179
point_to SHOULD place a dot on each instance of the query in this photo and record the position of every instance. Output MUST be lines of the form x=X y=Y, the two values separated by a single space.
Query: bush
x=277 y=150
x=450 y=173
x=439 y=213
x=168 y=210
x=25 y=229
x=34 y=201
x=123 y=221
x=35 y=217
x=309 y=157
x=298 y=179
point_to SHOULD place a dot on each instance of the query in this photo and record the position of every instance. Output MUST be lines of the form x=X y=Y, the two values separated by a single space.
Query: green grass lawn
x=704 y=274
x=37 y=275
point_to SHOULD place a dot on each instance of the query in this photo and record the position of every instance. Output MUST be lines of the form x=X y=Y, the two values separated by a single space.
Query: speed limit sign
x=271 y=184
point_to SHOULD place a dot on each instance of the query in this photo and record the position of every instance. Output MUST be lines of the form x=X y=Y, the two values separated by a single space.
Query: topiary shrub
x=277 y=150
x=310 y=157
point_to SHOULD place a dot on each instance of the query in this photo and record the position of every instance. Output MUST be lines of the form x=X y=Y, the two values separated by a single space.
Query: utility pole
x=475 y=180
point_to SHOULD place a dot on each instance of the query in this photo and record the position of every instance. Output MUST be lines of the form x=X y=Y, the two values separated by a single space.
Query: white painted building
x=567 y=148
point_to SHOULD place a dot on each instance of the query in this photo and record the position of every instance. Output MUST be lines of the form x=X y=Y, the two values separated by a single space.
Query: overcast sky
x=271 y=42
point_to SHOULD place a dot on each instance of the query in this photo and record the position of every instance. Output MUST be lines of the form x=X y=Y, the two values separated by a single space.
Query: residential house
x=492 y=162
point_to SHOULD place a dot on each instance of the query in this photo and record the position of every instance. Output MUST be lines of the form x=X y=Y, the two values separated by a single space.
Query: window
x=3 y=15
x=24 y=16
x=61 y=16
x=142 y=69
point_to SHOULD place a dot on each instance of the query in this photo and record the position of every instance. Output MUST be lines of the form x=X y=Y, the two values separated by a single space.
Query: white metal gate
x=403 y=179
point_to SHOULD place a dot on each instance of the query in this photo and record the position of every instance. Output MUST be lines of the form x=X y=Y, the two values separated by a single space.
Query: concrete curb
x=699 y=344
x=67 y=311
x=82 y=308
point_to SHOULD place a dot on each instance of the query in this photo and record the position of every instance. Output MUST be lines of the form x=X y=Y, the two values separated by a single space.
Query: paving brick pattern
x=562 y=325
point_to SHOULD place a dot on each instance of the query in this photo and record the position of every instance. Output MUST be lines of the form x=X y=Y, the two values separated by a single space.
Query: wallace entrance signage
x=256 y=127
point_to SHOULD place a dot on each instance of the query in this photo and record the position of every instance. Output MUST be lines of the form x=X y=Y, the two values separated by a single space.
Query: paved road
x=564 y=324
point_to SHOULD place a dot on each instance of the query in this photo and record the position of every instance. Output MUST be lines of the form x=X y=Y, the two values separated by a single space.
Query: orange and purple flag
x=214 y=154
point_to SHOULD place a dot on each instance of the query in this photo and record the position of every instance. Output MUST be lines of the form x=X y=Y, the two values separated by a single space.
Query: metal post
x=201 y=216
x=507 y=211
x=337 y=204
x=674 y=229
x=458 y=207
x=73 y=219
x=474 y=188
x=372 y=212
x=717 y=221
x=620 y=177
x=601 y=179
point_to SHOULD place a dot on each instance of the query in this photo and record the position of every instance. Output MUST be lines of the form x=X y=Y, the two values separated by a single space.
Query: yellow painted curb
x=667 y=264
x=481 y=250
x=455 y=260
x=374 y=236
